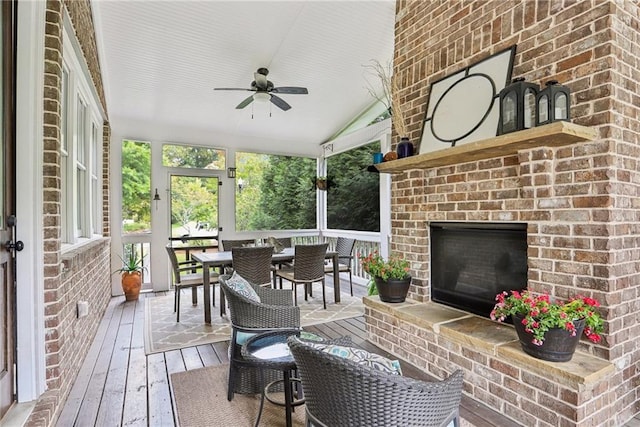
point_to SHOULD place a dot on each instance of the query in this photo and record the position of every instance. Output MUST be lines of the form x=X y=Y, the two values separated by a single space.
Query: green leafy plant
x=131 y=263
x=539 y=314
x=394 y=268
x=372 y=289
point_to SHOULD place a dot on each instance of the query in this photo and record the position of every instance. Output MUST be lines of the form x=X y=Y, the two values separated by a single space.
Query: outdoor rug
x=200 y=398
x=163 y=333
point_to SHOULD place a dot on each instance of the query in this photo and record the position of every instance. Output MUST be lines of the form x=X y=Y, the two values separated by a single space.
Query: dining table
x=219 y=260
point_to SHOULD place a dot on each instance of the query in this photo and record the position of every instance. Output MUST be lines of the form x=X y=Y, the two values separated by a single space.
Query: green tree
x=277 y=192
x=136 y=185
x=354 y=201
x=193 y=200
x=288 y=199
x=184 y=156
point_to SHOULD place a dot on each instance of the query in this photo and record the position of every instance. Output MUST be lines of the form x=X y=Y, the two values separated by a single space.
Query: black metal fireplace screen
x=472 y=262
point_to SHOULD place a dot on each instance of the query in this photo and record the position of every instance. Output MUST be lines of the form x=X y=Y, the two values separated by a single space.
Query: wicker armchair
x=344 y=247
x=308 y=267
x=340 y=392
x=274 y=311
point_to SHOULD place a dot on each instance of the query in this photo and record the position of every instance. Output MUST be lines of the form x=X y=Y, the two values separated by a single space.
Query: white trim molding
x=31 y=381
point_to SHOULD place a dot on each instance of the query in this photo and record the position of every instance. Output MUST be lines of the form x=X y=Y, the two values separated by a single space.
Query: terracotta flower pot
x=558 y=345
x=131 y=284
x=393 y=290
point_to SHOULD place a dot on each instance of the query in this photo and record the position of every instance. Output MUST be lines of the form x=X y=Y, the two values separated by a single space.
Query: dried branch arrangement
x=390 y=93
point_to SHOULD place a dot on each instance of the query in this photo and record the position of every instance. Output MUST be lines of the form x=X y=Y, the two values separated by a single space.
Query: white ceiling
x=161 y=60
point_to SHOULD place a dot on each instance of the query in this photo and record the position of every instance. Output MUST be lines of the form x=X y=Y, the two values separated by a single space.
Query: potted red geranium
x=543 y=325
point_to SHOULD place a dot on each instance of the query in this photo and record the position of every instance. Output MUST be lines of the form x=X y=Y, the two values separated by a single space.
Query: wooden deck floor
x=119 y=385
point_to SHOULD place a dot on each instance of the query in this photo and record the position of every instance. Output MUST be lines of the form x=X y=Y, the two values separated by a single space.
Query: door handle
x=11 y=246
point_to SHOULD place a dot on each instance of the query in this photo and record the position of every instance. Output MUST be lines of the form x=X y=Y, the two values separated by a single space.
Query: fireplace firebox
x=472 y=262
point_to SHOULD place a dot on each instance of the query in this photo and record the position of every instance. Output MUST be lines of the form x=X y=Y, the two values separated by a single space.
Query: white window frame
x=81 y=163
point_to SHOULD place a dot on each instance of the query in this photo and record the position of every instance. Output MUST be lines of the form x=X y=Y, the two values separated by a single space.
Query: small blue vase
x=405 y=148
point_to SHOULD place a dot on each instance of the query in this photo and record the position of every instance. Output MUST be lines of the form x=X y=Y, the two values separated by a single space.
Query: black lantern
x=517 y=106
x=553 y=103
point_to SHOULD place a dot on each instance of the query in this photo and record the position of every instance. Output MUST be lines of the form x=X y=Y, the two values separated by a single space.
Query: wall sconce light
x=156 y=198
x=517 y=106
x=231 y=172
x=553 y=103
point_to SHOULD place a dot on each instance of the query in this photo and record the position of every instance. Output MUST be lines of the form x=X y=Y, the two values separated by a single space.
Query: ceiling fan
x=264 y=91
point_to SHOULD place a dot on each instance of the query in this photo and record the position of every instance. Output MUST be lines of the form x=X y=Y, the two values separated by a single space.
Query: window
x=80 y=159
x=353 y=201
x=275 y=192
x=185 y=156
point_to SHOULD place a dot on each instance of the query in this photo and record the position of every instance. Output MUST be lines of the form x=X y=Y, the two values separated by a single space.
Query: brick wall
x=84 y=273
x=580 y=202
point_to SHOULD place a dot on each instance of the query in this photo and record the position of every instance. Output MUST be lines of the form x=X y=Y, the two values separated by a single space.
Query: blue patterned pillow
x=362 y=357
x=241 y=286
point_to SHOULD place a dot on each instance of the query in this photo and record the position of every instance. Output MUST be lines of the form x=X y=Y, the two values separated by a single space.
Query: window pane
x=82 y=133
x=81 y=202
x=63 y=109
x=183 y=156
x=353 y=202
x=96 y=203
x=136 y=187
x=275 y=192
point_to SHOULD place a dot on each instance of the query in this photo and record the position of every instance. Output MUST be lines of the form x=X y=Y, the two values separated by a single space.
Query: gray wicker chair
x=227 y=245
x=340 y=392
x=253 y=263
x=186 y=275
x=308 y=268
x=275 y=311
x=344 y=247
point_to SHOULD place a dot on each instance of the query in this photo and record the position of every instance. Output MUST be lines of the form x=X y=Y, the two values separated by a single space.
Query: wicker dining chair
x=248 y=317
x=228 y=244
x=341 y=392
x=186 y=274
x=308 y=268
x=253 y=263
x=344 y=247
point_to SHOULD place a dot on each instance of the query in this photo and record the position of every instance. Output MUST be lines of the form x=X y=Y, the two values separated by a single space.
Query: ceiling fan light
x=261 y=97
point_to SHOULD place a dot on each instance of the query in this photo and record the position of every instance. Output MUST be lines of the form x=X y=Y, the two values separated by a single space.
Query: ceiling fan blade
x=291 y=90
x=231 y=88
x=244 y=103
x=280 y=103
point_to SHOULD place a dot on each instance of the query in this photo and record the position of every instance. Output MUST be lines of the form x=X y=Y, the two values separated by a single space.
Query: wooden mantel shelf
x=552 y=135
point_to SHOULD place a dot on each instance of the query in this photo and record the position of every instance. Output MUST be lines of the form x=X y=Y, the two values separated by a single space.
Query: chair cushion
x=361 y=357
x=242 y=287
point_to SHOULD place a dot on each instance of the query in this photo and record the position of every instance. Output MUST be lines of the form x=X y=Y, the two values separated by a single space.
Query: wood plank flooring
x=119 y=386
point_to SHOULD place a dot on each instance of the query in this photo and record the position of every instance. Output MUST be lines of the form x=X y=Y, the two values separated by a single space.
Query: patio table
x=221 y=259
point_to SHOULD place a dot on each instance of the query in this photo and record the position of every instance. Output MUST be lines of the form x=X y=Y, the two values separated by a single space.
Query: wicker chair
x=254 y=264
x=227 y=245
x=340 y=392
x=185 y=275
x=308 y=267
x=344 y=247
x=275 y=311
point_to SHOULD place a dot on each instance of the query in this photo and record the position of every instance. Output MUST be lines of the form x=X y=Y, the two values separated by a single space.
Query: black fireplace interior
x=472 y=262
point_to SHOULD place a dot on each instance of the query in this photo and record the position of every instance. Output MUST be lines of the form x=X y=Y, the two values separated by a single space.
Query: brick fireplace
x=579 y=202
